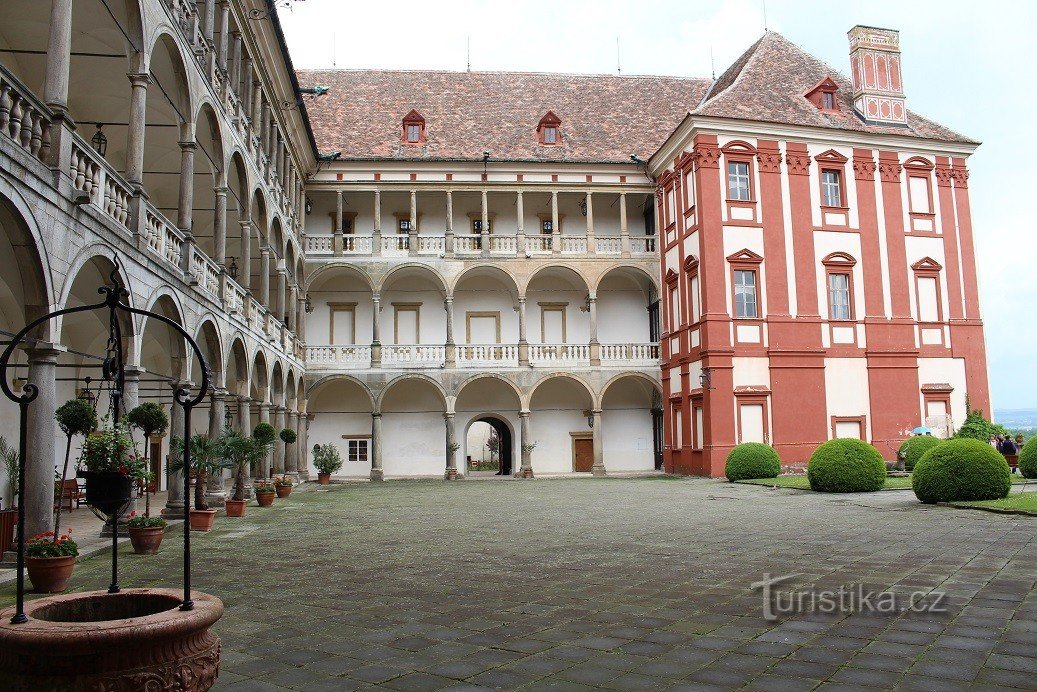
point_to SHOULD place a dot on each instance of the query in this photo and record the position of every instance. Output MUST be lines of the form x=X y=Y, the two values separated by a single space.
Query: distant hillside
x=1016 y=417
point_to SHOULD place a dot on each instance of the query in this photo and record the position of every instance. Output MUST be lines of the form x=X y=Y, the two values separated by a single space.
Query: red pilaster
x=945 y=198
x=871 y=251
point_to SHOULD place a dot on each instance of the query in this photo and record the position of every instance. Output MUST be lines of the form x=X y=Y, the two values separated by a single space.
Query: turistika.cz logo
x=848 y=598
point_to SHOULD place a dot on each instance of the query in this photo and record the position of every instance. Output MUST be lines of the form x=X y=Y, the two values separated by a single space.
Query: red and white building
x=817 y=262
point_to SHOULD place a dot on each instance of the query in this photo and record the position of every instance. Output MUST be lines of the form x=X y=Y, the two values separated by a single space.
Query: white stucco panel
x=846 y=388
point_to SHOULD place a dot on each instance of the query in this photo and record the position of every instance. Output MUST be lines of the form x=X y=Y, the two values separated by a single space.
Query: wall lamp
x=706 y=378
x=271 y=6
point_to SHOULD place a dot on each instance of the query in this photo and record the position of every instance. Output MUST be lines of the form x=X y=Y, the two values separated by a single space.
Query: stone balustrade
x=471 y=245
x=23 y=118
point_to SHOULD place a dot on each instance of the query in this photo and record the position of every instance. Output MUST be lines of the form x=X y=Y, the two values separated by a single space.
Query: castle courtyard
x=430 y=585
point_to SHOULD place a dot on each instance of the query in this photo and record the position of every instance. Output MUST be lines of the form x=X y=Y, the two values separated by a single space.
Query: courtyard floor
x=618 y=583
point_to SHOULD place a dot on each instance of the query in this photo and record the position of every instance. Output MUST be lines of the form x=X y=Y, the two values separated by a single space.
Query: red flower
x=123 y=469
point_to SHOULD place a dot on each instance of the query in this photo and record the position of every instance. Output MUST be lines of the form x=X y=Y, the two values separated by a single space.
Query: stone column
x=224 y=32
x=376 y=234
x=264 y=417
x=485 y=232
x=209 y=19
x=185 y=207
x=449 y=242
x=264 y=277
x=135 y=137
x=293 y=309
x=59 y=56
x=277 y=420
x=292 y=459
x=376 y=445
x=215 y=494
x=595 y=347
x=526 y=439
x=339 y=241
x=244 y=416
x=40 y=440
x=591 y=246
x=624 y=230
x=598 y=468
x=300 y=311
x=245 y=268
x=234 y=67
x=131 y=388
x=376 y=343
x=219 y=226
x=556 y=232
x=257 y=106
x=412 y=232
x=451 y=453
x=245 y=86
x=175 y=500
x=304 y=447
x=451 y=347
x=523 y=340
x=282 y=280
x=520 y=214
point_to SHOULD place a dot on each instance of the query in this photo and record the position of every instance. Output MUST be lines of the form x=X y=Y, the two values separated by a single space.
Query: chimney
x=878 y=92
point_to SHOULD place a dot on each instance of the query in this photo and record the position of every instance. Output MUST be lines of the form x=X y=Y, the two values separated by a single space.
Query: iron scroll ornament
x=114 y=370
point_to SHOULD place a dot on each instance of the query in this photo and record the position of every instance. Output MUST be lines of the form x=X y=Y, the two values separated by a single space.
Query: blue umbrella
x=922 y=430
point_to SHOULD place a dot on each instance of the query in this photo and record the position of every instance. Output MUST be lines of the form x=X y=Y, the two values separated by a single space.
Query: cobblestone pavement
x=625 y=584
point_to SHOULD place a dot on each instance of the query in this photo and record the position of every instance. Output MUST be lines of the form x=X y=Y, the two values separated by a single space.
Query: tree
x=75 y=417
x=240 y=453
x=206 y=459
x=289 y=437
x=9 y=458
x=151 y=419
x=977 y=427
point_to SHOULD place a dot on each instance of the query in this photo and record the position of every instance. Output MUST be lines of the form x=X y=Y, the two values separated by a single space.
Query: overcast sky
x=968 y=68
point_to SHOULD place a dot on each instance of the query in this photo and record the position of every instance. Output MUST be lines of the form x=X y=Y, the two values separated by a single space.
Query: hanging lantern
x=232 y=269
x=99 y=141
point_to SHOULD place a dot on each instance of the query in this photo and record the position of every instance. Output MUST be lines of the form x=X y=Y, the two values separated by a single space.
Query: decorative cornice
x=863 y=168
x=706 y=155
x=943 y=175
x=798 y=163
x=889 y=171
x=769 y=161
x=960 y=177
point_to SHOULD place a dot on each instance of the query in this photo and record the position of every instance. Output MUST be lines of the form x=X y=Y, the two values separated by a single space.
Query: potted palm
x=283 y=486
x=327 y=460
x=265 y=493
x=241 y=453
x=266 y=435
x=206 y=459
x=146 y=533
x=75 y=417
x=49 y=561
x=150 y=419
x=9 y=516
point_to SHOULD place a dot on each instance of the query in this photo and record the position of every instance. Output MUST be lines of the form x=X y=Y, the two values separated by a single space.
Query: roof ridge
x=356 y=70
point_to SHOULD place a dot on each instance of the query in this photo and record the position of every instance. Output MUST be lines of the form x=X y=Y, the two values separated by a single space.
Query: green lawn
x=1018 y=501
x=801 y=482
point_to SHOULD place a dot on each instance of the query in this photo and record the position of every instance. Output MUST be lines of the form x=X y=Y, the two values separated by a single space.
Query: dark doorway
x=501 y=446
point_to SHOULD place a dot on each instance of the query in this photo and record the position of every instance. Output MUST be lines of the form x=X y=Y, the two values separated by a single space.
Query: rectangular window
x=675 y=309
x=407 y=323
x=738 y=181
x=547 y=226
x=849 y=429
x=550 y=135
x=413 y=133
x=919 y=191
x=832 y=188
x=839 y=296
x=403 y=225
x=699 y=428
x=359 y=450
x=828 y=101
x=745 y=294
x=928 y=299
x=694 y=289
x=752 y=429
x=678 y=428
x=342 y=323
x=477 y=226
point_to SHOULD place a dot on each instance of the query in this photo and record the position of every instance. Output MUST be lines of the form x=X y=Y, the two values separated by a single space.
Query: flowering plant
x=137 y=521
x=261 y=487
x=282 y=481
x=110 y=449
x=46 y=545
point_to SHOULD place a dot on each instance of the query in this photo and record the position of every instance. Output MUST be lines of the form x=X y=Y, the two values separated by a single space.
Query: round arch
x=570 y=274
x=328 y=271
x=315 y=389
x=631 y=422
x=498 y=272
x=207 y=335
x=639 y=271
x=259 y=382
x=564 y=375
x=413 y=376
x=237 y=371
x=22 y=255
x=644 y=377
x=412 y=269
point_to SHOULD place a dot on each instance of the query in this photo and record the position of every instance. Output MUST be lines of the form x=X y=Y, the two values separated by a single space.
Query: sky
x=969 y=70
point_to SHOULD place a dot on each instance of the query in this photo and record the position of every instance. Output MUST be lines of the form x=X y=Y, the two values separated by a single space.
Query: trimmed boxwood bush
x=961 y=470
x=1028 y=459
x=846 y=466
x=914 y=447
x=752 y=460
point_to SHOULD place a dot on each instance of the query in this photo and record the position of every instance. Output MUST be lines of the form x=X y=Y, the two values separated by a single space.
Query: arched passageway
x=489 y=447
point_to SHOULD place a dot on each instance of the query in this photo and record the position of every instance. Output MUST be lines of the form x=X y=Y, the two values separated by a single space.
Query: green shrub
x=976 y=427
x=846 y=466
x=264 y=433
x=1028 y=459
x=959 y=470
x=752 y=460
x=914 y=447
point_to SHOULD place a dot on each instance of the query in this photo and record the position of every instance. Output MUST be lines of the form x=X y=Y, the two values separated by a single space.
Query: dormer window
x=828 y=100
x=823 y=95
x=413 y=128
x=549 y=131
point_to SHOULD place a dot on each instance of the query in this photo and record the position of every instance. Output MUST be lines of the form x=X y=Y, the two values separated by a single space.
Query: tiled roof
x=768 y=81
x=604 y=117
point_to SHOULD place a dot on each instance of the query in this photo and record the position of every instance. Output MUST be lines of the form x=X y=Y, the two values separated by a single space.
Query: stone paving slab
x=624 y=584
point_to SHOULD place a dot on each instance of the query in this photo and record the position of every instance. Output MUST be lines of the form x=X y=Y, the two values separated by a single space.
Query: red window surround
x=832 y=160
x=691 y=271
x=823 y=95
x=929 y=268
x=923 y=218
x=549 y=130
x=746 y=260
x=839 y=263
x=740 y=211
x=758 y=396
x=862 y=420
x=413 y=129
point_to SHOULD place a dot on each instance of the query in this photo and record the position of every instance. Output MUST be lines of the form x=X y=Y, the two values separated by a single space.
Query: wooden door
x=583 y=454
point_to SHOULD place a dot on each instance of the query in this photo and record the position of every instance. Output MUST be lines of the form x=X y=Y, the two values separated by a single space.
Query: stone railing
x=205 y=271
x=334 y=356
x=431 y=244
x=357 y=244
x=559 y=353
x=413 y=355
x=608 y=245
x=396 y=244
x=23 y=118
x=235 y=300
x=92 y=174
x=487 y=354
x=574 y=244
x=163 y=238
x=642 y=245
x=320 y=244
x=630 y=353
x=503 y=244
x=467 y=243
x=538 y=244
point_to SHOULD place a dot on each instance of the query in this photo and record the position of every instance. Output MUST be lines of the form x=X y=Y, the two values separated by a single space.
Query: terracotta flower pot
x=50 y=574
x=323 y=478
x=137 y=639
x=146 y=540
x=283 y=490
x=235 y=508
x=201 y=519
x=265 y=499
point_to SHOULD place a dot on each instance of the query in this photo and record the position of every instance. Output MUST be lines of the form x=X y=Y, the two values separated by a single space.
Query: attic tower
x=878 y=92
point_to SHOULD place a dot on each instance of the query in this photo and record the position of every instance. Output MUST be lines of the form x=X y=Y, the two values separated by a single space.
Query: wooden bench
x=70 y=491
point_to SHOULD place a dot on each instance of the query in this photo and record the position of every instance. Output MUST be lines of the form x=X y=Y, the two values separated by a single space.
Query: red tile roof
x=768 y=82
x=605 y=118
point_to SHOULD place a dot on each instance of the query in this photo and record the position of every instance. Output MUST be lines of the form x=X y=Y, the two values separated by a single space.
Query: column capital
x=524 y=413
x=243 y=400
x=188 y=145
x=139 y=79
x=43 y=351
x=376 y=414
x=221 y=191
x=449 y=415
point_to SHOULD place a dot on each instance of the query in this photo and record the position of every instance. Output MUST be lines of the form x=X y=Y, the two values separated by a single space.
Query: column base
x=173 y=513
x=377 y=475
x=598 y=471
x=451 y=475
x=526 y=472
